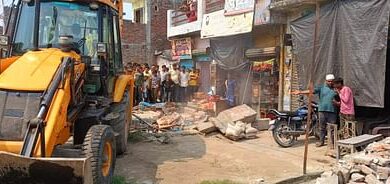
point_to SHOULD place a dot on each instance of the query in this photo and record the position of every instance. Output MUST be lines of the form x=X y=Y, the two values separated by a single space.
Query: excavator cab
x=65 y=100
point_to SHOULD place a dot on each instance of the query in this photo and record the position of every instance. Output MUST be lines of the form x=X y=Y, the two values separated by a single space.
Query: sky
x=127 y=9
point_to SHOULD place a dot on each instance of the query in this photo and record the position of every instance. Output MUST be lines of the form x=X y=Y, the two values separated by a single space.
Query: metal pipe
x=15 y=24
x=36 y=25
x=9 y=18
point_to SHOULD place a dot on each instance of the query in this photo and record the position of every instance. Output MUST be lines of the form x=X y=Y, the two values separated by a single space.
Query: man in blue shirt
x=326 y=109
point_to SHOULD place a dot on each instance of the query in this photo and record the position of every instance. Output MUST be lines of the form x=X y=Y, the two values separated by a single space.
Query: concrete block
x=206 y=127
x=239 y=113
x=371 y=179
x=356 y=177
x=362 y=159
x=366 y=170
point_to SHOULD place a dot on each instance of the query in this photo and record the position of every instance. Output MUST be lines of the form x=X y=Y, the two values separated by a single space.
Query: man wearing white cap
x=326 y=109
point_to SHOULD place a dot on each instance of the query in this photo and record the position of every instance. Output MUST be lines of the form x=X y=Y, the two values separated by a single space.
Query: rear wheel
x=121 y=123
x=281 y=138
x=99 y=144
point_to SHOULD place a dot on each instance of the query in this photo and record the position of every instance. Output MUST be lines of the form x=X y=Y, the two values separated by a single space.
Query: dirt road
x=193 y=159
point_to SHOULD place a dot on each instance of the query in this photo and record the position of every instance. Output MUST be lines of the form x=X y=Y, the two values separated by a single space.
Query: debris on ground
x=371 y=166
x=236 y=123
x=148 y=115
x=163 y=138
x=168 y=121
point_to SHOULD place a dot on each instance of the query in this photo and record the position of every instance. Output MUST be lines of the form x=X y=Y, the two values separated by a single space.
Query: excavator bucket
x=19 y=169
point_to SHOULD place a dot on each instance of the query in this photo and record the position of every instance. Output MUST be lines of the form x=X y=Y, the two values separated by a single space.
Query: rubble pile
x=371 y=166
x=236 y=123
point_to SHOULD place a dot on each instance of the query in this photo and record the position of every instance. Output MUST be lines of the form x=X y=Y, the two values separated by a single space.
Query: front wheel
x=99 y=144
x=281 y=138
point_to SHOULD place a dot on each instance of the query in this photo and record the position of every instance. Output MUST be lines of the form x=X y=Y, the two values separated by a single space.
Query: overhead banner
x=234 y=7
x=181 y=48
x=216 y=24
x=262 y=13
x=353 y=38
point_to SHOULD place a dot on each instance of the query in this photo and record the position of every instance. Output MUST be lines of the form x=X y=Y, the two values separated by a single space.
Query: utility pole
x=148 y=35
x=315 y=50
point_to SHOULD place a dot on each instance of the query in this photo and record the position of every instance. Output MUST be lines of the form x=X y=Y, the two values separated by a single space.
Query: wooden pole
x=315 y=49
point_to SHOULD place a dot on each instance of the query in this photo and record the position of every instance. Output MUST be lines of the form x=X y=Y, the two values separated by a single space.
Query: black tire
x=121 y=124
x=278 y=136
x=99 y=144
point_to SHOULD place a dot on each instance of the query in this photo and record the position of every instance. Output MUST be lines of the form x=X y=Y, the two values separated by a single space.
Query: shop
x=265 y=78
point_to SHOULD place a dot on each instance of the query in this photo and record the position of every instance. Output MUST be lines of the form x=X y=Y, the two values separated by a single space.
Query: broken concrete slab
x=382 y=173
x=356 y=177
x=148 y=116
x=220 y=125
x=168 y=121
x=242 y=113
x=371 y=179
x=366 y=170
x=328 y=179
x=362 y=159
x=206 y=127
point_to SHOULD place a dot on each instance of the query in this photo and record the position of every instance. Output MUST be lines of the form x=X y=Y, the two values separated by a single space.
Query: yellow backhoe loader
x=65 y=100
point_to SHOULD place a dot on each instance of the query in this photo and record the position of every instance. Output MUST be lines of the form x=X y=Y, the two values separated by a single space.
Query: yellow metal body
x=38 y=68
x=33 y=72
x=6 y=62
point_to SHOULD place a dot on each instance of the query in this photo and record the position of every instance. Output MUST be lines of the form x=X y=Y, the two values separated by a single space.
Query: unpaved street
x=194 y=158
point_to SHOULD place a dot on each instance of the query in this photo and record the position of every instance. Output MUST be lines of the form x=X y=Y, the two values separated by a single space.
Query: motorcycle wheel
x=282 y=140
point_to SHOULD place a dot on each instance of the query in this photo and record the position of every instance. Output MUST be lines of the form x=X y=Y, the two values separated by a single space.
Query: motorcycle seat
x=288 y=113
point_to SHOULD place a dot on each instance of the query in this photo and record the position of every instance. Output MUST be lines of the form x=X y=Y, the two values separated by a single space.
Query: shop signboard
x=181 y=48
x=216 y=24
x=262 y=13
x=234 y=7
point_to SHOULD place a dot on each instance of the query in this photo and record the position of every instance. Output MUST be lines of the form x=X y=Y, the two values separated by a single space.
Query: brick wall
x=134 y=34
x=159 y=24
x=133 y=42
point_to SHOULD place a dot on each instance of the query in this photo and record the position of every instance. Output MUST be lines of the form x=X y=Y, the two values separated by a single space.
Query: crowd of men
x=166 y=84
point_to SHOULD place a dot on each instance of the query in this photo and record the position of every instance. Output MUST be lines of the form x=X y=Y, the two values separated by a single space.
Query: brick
x=371 y=179
x=382 y=172
x=356 y=177
x=362 y=159
x=134 y=34
x=366 y=170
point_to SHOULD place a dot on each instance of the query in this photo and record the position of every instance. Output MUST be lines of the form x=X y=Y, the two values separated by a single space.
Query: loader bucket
x=15 y=169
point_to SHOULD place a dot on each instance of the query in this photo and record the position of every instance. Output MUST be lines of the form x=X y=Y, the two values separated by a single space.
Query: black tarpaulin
x=352 y=44
x=229 y=52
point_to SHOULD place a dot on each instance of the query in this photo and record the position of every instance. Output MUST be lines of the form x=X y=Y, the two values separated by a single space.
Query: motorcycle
x=286 y=127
